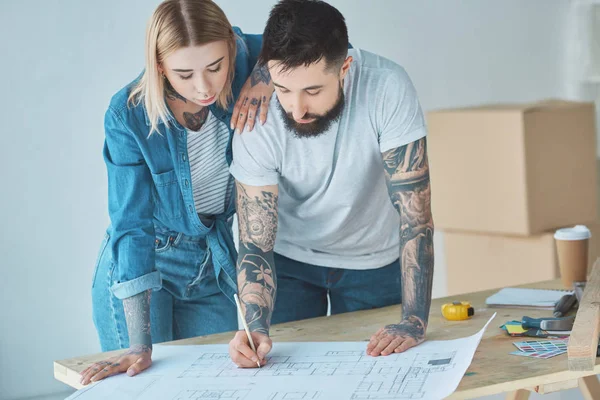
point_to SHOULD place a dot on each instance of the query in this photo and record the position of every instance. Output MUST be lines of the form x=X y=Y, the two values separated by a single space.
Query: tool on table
x=564 y=305
x=457 y=311
x=239 y=307
x=549 y=324
x=578 y=287
x=515 y=329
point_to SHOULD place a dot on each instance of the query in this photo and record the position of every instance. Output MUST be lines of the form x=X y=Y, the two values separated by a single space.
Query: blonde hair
x=176 y=24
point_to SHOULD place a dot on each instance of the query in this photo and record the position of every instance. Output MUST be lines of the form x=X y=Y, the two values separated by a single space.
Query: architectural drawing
x=295 y=396
x=211 y=394
x=380 y=378
x=297 y=371
x=389 y=383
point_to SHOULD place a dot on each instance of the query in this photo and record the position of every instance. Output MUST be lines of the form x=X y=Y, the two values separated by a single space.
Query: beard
x=320 y=124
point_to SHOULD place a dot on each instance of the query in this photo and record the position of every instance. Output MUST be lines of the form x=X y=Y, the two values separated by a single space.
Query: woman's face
x=198 y=73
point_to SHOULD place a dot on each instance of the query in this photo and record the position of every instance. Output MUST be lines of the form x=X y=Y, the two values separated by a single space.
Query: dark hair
x=302 y=32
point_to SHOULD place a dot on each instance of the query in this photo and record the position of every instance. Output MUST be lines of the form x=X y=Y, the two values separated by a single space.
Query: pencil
x=239 y=307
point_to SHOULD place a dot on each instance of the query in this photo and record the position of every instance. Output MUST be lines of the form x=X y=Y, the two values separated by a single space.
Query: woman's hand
x=133 y=361
x=255 y=93
x=139 y=355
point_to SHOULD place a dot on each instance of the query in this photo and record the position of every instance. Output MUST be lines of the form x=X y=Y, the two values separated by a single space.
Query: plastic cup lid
x=578 y=232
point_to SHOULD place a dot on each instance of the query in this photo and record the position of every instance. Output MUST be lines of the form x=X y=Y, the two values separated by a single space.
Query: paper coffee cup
x=572 y=250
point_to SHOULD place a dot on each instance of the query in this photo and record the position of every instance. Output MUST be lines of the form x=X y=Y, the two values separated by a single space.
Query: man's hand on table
x=133 y=361
x=397 y=338
x=241 y=353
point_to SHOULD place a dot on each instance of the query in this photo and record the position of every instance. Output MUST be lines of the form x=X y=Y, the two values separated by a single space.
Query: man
x=346 y=135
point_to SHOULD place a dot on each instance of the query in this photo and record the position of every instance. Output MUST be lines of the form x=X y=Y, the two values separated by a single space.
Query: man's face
x=310 y=97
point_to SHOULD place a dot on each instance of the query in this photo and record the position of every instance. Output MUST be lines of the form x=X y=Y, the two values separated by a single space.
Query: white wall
x=62 y=62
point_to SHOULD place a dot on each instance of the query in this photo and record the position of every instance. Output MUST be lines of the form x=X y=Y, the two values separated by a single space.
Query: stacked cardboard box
x=503 y=178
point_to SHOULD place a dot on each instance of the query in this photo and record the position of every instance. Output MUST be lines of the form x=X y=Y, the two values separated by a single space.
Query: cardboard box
x=476 y=261
x=513 y=169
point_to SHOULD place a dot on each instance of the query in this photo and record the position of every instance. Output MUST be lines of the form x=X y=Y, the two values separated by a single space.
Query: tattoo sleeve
x=137 y=315
x=257 y=280
x=407 y=173
x=260 y=74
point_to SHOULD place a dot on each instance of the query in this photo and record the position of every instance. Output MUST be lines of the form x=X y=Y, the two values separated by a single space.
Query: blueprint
x=296 y=371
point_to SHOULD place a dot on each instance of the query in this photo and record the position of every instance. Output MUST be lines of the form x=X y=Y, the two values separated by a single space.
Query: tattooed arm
x=137 y=315
x=139 y=355
x=407 y=174
x=257 y=281
x=254 y=96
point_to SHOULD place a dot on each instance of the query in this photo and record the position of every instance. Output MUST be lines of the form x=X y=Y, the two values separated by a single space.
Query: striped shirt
x=211 y=182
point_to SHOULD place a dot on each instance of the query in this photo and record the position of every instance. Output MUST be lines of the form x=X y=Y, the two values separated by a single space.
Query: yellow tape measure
x=457 y=311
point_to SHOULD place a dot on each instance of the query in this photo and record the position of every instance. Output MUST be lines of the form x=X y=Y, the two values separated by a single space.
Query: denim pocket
x=167 y=195
x=162 y=243
x=100 y=254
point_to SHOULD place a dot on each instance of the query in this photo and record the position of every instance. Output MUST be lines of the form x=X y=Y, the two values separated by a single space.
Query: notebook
x=526 y=298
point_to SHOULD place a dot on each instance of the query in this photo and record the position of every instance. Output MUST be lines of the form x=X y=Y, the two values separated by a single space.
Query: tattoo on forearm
x=411 y=326
x=195 y=121
x=257 y=280
x=260 y=74
x=257 y=219
x=171 y=93
x=137 y=315
x=407 y=174
x=138 y=349
x=257 y=287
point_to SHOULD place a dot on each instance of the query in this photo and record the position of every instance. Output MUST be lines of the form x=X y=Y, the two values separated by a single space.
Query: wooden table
x=492 y=371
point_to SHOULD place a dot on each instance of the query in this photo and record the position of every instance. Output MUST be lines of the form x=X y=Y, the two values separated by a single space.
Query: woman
x=166 y=268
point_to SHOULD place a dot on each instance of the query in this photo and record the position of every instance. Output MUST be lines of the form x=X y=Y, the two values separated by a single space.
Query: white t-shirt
x=211 y=182
x=334 y=207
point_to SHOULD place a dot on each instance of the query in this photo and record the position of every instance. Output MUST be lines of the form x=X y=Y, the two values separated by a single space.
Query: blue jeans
x=189 y=303
x=302 y=289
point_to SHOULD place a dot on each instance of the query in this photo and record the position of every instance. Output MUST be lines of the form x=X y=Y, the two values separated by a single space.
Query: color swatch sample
x=541 y=348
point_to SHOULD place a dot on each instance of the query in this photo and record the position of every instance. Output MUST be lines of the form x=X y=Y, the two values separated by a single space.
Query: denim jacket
x=149 y=186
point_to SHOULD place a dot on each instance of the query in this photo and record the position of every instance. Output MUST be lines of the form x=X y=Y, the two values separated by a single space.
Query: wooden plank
x=590 y=387
x=520 y=394
x=68 y=373
x=556 y=387
x=492 y=371
x=583 y=342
